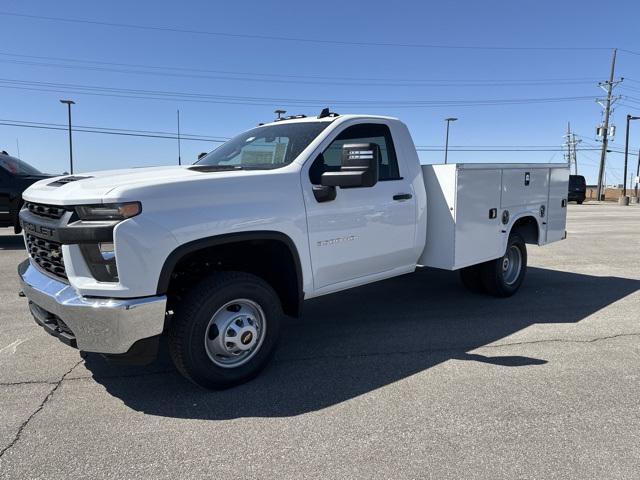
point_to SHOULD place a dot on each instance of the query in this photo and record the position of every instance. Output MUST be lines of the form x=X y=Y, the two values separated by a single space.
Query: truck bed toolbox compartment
x=472 y=207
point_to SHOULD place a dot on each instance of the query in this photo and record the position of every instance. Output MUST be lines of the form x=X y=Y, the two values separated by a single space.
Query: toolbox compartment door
x=477 y=234
x=557 y=204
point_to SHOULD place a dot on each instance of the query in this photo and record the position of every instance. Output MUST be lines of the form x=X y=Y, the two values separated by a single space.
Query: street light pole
x=179 y=153
x=446 y=142
x=69 y=103
x=637 y=175
x=626 y=153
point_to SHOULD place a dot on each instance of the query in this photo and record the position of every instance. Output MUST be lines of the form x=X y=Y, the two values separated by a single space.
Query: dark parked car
x=15 y=177
x=577 y=189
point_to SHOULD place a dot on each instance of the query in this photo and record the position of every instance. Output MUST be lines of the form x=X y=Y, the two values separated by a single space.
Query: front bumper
x=102 y=325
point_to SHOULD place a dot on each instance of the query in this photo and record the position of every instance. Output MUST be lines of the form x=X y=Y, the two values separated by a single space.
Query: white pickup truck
x=214 y=254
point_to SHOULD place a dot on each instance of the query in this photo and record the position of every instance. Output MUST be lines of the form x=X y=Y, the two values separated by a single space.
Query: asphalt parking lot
x=408 y=378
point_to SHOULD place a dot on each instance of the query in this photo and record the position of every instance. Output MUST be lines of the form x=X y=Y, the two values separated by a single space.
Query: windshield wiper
x=222 y=168
x=215 y=168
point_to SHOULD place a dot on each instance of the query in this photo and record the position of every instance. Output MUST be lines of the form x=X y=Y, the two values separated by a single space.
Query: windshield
x=273 y=146
x=17 y=167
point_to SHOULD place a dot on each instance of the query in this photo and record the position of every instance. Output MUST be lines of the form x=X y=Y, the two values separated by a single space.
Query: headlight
x=109 y=211
x=101 y=256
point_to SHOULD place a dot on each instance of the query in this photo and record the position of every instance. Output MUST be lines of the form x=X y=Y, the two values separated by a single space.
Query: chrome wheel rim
x=511 y=265
x=235 y=333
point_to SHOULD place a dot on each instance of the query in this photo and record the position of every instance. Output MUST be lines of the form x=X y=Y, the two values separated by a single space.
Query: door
x=557 y=205
x=477 y=236
x=363 y=231
x=5 y=196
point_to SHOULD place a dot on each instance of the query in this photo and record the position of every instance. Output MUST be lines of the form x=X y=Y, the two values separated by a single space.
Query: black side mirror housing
x=200 y=155
x=359 y=167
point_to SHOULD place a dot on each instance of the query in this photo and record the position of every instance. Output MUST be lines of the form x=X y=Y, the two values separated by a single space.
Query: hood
x=93 y=187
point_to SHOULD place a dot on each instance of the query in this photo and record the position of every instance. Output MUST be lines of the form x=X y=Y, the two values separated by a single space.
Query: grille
x=48 y=211
x=46 y=254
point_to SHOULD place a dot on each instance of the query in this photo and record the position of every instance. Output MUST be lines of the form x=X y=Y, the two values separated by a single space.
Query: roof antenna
x=327 y=113
x=279 y=113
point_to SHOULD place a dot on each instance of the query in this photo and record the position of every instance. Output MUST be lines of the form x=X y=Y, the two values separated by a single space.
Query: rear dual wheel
x=501 y=277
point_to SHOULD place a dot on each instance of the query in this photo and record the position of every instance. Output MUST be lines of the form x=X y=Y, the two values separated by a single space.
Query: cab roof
x=305 y=119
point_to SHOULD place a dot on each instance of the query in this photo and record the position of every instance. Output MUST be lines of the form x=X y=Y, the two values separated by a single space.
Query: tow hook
x=21 y=294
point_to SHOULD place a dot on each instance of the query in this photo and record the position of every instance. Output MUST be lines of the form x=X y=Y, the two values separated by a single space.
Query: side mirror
x=359 y=167
x=200 y=155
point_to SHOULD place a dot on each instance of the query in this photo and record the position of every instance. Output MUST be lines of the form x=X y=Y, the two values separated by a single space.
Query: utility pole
x=575 y=152
x=179 y=159
x=568 y=136
x=69 y=103
x=626 y=153
x=572 y=152
x=608 y=87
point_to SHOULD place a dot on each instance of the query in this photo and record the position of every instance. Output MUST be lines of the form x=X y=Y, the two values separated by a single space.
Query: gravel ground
x=412 y=377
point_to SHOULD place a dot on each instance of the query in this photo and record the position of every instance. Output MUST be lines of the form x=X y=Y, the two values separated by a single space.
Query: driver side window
x=330 y=159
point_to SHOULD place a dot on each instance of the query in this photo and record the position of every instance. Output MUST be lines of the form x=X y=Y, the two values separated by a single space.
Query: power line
x=631 y=99
x=294 y=39
x=557 y=149
x=128 y=130
x=45 y=126
x=139 y=69
x=296 y=76
x=627 y=87
x=491 y=146
x=267 y=101
x=220 y=139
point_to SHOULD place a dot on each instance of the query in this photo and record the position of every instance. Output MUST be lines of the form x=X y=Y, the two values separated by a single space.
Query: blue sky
x=314 y=73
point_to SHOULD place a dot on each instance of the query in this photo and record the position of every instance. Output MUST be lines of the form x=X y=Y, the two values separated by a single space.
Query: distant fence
x=610 y=194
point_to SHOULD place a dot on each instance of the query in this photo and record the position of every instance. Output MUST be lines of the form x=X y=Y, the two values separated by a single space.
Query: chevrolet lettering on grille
x=38 y=230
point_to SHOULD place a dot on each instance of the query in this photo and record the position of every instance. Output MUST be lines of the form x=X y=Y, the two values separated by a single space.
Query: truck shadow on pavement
x=357 y=341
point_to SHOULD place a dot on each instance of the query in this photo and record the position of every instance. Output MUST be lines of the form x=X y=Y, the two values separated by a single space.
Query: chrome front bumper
x=103 y=325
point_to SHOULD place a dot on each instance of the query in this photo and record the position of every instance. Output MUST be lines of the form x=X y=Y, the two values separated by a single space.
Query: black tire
x=579 y=202
x=190 y=326
x=496 y=280
x=471 y=278
x=17 y=228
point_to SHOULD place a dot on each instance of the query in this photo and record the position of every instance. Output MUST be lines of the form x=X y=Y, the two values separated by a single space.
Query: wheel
x=503 y=276
x=471 y=278
x=225 y=330
x=579 y=202
x=17 y=228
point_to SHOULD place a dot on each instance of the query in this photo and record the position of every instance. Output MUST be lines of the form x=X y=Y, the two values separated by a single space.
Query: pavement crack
x=562 y=340
x=24 y=424
x=27 y=382
x=99 y=378
x=441 y=350
x=455 y=349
